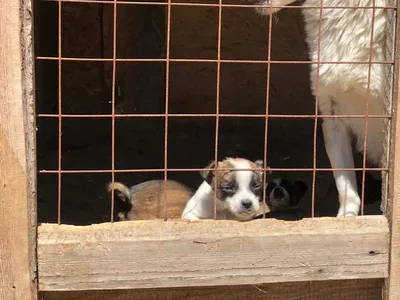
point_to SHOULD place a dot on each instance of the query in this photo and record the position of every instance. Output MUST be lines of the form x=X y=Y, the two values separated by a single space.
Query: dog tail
x=122 y=198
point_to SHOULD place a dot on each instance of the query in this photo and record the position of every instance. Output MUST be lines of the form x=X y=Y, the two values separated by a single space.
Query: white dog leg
x=339 y=150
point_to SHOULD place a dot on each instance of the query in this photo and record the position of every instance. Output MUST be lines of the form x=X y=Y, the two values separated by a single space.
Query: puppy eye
x=256 y=186
x=228 y=189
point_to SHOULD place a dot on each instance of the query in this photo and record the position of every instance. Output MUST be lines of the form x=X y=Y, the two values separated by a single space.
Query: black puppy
x=282 y=198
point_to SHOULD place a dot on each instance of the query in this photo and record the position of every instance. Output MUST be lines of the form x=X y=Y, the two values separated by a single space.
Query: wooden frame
x=165 y=254
x=153 y=254
x=364 y=289
x=391 y=207
x=18 y=279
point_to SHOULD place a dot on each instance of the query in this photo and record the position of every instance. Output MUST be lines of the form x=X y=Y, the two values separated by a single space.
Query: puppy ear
x=300 y=188
x=208 y=175
x=260 y=164
x=268 y=170
x=122 y=198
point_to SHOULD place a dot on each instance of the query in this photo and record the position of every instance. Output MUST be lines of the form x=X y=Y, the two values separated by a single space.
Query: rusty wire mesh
x=217 y=115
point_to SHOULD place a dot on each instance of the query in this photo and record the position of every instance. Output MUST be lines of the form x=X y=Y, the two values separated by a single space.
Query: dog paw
x=190 y=218
x=347 y=213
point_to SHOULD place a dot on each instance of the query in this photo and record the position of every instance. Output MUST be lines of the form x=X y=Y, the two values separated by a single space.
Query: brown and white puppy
x=145 y=201
x=283 y=197
x=238 y=192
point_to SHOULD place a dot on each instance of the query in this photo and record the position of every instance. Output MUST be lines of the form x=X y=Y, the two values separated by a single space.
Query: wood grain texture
x=28 y=96
x=391 y=207
x=152 y=254
x=366 y=289
x=17 y=205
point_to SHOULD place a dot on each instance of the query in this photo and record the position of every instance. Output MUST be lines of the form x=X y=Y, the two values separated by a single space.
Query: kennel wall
x=353 y=258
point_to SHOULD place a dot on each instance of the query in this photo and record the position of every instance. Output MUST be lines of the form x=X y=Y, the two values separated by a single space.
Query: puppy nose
x=246 y=204
x=278 y=192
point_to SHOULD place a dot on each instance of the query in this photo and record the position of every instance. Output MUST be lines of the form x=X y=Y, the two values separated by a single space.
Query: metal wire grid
x=217 y=115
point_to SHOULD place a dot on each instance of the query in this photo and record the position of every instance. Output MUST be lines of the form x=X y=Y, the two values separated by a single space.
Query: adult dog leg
x=338 y=147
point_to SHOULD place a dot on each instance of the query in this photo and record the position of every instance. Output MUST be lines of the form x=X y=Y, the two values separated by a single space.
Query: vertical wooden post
x=391 y=207
x=392 y=284
x=18 y=279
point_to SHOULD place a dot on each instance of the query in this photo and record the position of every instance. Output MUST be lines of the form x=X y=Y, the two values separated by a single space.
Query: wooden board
x=17 y=193
x=366 y=289
x=150 y=254
x=391 y=207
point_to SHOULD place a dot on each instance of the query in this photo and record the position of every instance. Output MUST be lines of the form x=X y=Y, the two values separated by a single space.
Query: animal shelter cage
x=96 y=91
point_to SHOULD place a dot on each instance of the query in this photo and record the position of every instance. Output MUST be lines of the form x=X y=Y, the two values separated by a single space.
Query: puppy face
x=240 y=191
x=282 y=194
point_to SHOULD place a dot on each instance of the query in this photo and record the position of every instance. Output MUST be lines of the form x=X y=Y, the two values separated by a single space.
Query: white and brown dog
x=239 y=192
x=145 y=201
x=347 y=36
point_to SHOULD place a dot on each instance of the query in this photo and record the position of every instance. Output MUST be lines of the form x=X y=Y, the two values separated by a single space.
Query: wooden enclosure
x=351 y=258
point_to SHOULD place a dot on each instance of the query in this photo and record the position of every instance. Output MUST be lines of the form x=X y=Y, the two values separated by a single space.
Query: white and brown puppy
x=145 y=201
x=348 y=35
x=282 y=198
x=238 y=192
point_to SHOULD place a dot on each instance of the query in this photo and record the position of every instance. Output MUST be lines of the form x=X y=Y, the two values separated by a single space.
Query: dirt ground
x=86 y=89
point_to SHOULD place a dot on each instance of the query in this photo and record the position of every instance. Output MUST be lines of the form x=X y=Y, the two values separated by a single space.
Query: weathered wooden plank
x=150 y=254
x=365 y=289
x=391 y=205
x=17 y=167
